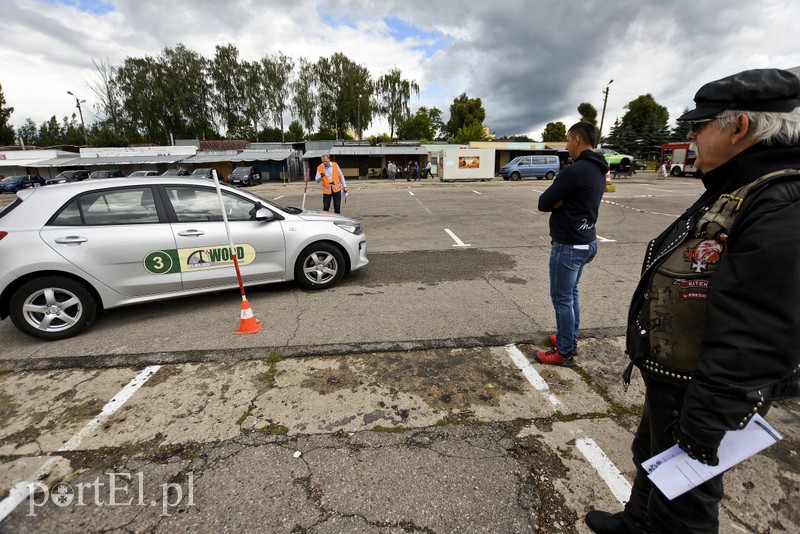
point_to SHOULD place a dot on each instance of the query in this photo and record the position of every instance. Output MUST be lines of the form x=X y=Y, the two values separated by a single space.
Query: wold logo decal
x=703 y=254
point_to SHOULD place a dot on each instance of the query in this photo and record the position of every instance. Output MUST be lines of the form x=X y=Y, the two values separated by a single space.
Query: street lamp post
x=603 y=115
x=78 y=103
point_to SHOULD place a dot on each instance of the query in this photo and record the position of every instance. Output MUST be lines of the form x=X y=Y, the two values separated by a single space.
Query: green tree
x=28 y=132
x=423 y=125
x=588 y=112
x=393 y=94
x=304 y=96
x=141 y=98
x=555 y=132
x=464 y=111
x=6 y=130
x=228 y=79
x=277 y=72
x=681 y=130
x=295 y=132
x=108 y=95
x=345 y=90
x=72 y=131
x=255 y=106
x=51 y=133
x=104 y=135
x=645 y=123
x=473 y=131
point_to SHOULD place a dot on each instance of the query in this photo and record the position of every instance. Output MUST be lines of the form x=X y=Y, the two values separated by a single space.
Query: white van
x=544 y=166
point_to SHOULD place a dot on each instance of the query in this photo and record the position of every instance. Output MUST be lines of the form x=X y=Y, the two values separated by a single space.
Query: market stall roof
x=56 y=162
x=125 y=160
x=27 y=162
x=310 y=154
x=216 y=157
x=378 y=150
x=262 y=155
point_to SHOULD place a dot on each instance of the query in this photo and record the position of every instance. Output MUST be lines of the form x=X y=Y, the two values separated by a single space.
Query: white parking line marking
x=606 y=240
x=598 y=459
x=459 y=243
x=662 y=190
x=111 y=406
x=617 y=483
x=411 y=193
x=22 y=489
x=476 y=192
x=530 y=373
x=278 y=198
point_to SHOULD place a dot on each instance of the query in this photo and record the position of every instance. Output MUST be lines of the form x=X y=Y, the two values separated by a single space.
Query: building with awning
x=17 y=162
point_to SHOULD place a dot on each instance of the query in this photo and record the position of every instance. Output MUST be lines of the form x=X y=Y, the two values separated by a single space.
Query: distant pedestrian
x=333 y=182
x=416 y=171
x=663 y=171
x=427 y=170
x=392 y=170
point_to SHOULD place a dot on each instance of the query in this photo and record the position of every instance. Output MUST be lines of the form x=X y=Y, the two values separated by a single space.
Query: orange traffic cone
x=610 y=187
x=248 y=323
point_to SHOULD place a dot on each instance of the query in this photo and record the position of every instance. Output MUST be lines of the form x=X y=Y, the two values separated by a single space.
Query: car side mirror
x=264 y=215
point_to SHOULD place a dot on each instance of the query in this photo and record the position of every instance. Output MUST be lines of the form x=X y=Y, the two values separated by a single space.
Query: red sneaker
x=553 y=357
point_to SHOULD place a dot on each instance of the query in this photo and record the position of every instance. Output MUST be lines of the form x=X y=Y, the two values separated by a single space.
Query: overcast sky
x=530 y=62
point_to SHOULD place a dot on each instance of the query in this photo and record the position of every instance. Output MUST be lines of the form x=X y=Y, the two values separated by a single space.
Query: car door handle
x=71 y=240
x=191 y=233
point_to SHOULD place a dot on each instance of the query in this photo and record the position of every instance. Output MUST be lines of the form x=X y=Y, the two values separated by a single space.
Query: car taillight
x=3 y=234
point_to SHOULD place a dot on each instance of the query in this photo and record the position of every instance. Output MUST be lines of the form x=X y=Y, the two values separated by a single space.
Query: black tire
x=515 y=176
x=550 y=175
x=505 y=178
x=52 y=308
x=319 y=266
x=676 y=171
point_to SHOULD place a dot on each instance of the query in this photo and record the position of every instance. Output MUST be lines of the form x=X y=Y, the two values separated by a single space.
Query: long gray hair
x=769 y=127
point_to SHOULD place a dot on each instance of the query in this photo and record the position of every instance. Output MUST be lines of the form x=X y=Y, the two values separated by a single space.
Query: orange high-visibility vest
x=332 y=184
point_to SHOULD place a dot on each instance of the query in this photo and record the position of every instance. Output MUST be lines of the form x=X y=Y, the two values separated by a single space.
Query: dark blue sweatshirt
x=580 y=186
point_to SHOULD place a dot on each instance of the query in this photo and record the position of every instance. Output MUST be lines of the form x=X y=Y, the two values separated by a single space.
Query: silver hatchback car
x=71 y=250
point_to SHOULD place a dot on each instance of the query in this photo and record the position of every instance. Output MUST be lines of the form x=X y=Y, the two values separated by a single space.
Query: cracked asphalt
x=404 y=414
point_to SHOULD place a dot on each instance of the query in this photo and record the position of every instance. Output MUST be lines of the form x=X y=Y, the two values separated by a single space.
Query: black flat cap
x=750 y=90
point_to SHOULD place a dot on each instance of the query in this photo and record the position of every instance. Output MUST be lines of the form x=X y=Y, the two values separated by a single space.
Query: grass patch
x=4 y=372
x=464 y=419
x=243 y=417
x=274 y=430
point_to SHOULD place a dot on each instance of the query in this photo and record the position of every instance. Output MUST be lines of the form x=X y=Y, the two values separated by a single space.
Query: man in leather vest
x=333 y=183
x=714 y=323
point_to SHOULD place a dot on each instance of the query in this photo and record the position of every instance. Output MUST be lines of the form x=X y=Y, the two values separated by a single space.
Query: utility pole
x=78 y=103
x=603 y=115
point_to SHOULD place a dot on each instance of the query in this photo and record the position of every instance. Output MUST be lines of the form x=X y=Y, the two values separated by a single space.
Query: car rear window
x=8 y=209
x=116 y=206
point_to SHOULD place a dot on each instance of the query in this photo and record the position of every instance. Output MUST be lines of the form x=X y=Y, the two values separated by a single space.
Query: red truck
x=680 y=158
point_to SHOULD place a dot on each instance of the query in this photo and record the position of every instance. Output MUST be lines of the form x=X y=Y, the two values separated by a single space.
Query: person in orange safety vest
x=333 y=182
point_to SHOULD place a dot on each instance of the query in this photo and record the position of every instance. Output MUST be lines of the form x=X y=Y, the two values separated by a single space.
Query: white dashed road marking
x=459 y=243
x=598 y=459
x=22 y=489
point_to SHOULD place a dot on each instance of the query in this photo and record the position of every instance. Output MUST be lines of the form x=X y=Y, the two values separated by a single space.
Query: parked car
x=203 y=172
x=176 y=172
x=70 y=252
x=97 y=175
x=623 y=163
x=68 y=176
x=539 y=166
x=245 y=176
x=12 y=184
x=136 y=174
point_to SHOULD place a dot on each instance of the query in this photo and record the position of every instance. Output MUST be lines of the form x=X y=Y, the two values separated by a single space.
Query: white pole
x=222 y=208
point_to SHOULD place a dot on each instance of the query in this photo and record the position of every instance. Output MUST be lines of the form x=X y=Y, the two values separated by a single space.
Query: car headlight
x=353 y=228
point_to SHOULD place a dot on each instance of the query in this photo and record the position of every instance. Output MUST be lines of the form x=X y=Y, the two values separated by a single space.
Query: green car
x=618 y=162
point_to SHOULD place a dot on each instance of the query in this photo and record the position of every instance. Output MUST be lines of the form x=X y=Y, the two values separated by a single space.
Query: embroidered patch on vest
x=705 y=253
x=691 y=284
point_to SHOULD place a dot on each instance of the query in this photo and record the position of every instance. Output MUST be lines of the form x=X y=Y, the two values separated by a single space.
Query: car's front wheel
x=319 y=266
x=52 y=308
x=516 y=176
x=550 y=175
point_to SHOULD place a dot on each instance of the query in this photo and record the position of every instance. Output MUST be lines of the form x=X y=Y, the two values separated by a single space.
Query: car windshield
x=13 y=178
x=201 y=171
x=241 y=170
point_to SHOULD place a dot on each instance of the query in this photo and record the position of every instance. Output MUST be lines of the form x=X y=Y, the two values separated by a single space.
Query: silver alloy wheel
x=320 y=267
x=52 y=309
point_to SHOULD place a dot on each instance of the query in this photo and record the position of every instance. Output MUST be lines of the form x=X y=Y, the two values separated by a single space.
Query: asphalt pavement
x=402 y=400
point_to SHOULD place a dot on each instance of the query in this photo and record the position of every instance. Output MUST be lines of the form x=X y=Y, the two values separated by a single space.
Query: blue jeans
x=566 y=267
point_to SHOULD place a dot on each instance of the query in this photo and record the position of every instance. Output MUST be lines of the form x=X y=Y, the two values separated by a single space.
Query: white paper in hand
x=674 y=473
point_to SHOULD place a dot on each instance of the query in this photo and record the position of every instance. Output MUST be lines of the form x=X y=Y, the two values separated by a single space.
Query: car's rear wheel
x=676 y=171
x=52 y=308
x=550 y=175
x=516 y=176
x=319 y=266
